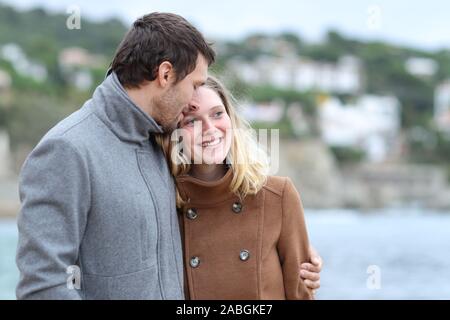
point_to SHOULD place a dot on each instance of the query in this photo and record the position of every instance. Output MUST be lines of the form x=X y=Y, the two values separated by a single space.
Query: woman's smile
x=212 y=143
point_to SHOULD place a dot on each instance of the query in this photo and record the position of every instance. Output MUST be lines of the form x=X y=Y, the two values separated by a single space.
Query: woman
x=244 y=231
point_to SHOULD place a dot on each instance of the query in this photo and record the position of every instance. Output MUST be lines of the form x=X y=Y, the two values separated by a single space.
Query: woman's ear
x=165 y=74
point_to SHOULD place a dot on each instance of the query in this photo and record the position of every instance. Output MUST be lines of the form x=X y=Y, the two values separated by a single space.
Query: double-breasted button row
x=192 y=214
x=244 y=255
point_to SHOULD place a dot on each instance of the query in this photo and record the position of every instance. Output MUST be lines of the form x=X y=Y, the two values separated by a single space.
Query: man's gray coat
x=96 y=193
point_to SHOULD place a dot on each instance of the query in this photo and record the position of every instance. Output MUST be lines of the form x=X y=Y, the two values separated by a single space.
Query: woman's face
x=207 y=130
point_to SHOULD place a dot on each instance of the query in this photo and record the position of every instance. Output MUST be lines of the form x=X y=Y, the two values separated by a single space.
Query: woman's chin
x=212 y=160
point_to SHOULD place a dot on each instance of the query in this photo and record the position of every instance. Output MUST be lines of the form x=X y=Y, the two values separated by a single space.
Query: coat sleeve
x=54 y=192
x=293 y=244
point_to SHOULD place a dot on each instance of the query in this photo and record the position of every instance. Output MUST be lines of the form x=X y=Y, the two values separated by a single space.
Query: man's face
x=177 y=97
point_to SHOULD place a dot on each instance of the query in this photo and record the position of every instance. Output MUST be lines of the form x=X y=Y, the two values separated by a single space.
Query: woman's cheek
x=228 y=133
x=228 y=141
x=188 y=142
x=197 y=149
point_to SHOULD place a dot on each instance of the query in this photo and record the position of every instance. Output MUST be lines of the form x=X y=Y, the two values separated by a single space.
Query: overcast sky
x=424 y=24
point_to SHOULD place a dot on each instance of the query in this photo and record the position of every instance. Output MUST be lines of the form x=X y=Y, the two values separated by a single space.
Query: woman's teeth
x=212 y=143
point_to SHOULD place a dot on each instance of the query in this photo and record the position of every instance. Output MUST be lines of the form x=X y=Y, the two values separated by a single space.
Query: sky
x=420 y=24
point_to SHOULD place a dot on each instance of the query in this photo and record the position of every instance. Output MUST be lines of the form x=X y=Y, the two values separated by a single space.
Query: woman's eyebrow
x=194 y=113
x=219 y=106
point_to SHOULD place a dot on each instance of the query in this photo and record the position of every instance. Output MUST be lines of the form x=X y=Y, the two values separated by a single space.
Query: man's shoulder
x=81 y=129
x=69 y=127
x=67 y=138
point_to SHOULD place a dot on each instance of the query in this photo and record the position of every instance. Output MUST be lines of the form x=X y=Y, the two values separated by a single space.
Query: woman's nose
x=207 y=125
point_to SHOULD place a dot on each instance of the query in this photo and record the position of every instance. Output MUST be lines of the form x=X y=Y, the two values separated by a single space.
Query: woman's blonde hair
x=247 y=160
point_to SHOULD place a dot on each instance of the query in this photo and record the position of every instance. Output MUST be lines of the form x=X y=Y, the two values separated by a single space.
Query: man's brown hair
x=153 y=39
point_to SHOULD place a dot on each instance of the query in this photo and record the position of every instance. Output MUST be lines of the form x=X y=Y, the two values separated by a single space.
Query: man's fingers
x=312 y=284
x=310 y=267
x=310 y=275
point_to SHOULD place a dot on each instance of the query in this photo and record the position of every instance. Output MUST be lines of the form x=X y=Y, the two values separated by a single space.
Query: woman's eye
x=218 y=114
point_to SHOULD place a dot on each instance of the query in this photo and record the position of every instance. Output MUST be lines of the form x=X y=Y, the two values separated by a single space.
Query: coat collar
x=199 y=192
x=115 y=108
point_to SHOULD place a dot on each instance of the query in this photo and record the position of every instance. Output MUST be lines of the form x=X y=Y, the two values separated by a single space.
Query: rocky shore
x=324 y=184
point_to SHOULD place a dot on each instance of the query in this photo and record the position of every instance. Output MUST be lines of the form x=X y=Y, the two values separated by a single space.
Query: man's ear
x=165 y=74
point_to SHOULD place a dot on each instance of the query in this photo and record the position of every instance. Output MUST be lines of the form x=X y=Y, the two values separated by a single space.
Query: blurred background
x=360 y=91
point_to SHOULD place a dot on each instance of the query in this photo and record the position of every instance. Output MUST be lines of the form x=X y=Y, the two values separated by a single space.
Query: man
x=98 y=201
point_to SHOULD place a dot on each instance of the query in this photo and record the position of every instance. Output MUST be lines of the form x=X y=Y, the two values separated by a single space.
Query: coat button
x=191 y=213
x=237 y=207
x=195 y=261
x=244 y=255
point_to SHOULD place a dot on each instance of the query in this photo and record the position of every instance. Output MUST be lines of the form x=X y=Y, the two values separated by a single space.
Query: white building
x=293 y=72
x=14 y=54
x=442 y=106
x=78 y=57
x=76 y=63
x=421 y=67
x=271 y=112
x=371 y=124
x=297 y=118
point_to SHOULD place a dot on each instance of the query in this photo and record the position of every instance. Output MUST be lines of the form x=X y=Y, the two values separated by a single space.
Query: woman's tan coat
x=243 y=250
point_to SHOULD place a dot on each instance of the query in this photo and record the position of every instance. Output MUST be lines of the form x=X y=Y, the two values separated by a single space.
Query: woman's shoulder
x=281 y=191
x=277 y=185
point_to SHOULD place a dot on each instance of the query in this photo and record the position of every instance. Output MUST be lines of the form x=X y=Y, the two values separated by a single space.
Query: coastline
x=324 y=184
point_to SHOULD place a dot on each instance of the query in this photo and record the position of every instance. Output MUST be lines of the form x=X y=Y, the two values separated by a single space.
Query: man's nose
x=191 y=107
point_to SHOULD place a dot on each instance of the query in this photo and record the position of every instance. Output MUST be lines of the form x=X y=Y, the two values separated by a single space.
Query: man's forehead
x=203 y=75
x=202 y=65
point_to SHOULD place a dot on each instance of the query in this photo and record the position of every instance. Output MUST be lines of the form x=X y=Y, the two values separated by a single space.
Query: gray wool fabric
x=96 y=193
